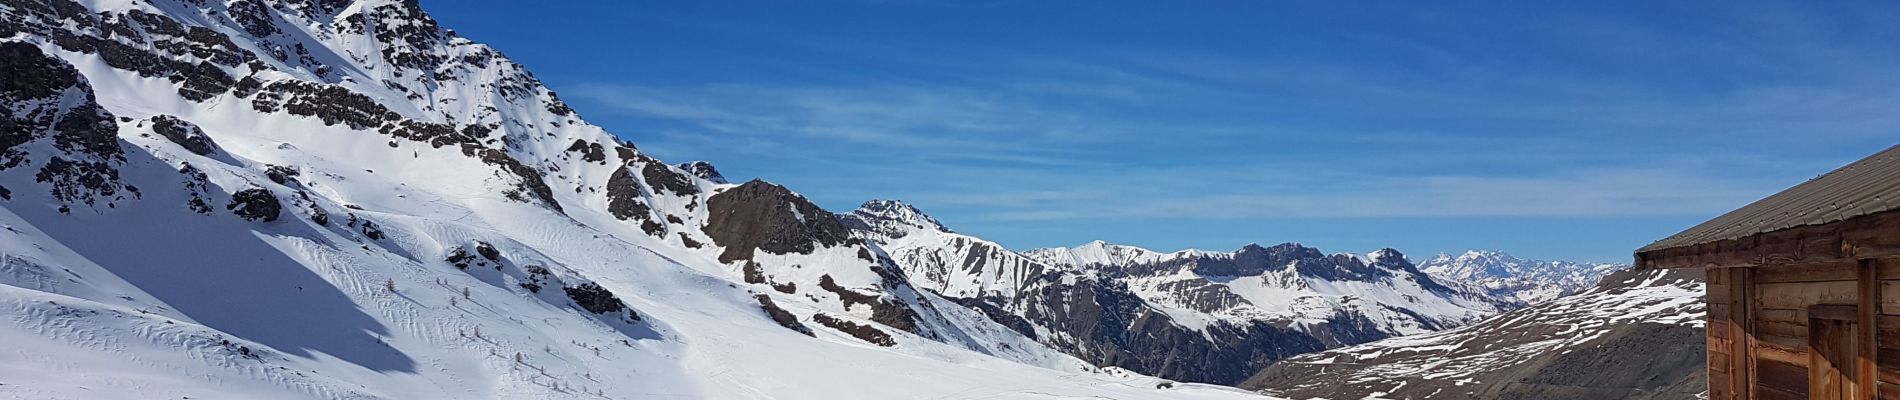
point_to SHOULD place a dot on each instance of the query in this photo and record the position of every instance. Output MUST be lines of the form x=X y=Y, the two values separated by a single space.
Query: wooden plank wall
x=1727 y=338
x=1762 y=315
x=1886 y=335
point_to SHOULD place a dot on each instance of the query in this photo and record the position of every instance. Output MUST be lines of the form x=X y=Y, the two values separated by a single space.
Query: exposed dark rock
x=625 y=199
x=689 y=242
x=152 y=45
x=79 y=181
x=595 y=299
x=625 y=151
x=989 y=309
x=435 y=134
x=703 y=170
x=254 y=17
x=281 y=174
x=537 y=277
x=246 y=87
x=768 y=217
x=782 y=317
x=32 y=74
x=459 y=257
x=201 y=81
x=34 y=86
x=558 y=107
x=255 y=204
x=530 y=187
x=590 y=151
x=653 y=228
x=848 y=296
x=370 y=230
x=184 y=133
x=330 y=103
x=665 y=179
x=753 y=273
x=49 y=98
x=487 y=251
x=890 y=312
x=199 y=186
x=318 y=216
x=477 y=131
x=407 y=44
x=863 y=332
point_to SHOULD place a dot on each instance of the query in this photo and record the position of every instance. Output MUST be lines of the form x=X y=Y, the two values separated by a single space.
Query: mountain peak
x=893 y=219
x=1094 y=253
x=1385 y=254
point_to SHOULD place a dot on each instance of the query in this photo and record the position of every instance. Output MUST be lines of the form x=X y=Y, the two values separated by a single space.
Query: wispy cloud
x=994 y=133
x=898 y=116
x=1254 y=192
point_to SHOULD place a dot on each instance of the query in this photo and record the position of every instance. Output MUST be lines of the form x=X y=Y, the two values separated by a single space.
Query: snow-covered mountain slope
x=341 y=199
x=1190 y=315
x=1575 y=347
x=1515 y=279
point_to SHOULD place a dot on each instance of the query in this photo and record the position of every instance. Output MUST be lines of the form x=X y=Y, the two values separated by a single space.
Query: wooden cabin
x=1803 y=287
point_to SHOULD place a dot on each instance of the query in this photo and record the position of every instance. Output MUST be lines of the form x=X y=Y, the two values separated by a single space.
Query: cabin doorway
x=1833 y=341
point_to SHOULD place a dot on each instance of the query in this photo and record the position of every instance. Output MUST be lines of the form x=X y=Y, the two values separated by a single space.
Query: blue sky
x=1546 y=129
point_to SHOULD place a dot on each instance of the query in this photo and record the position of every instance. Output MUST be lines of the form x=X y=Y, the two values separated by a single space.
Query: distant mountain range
x=1518 y=280
x=1199 y=315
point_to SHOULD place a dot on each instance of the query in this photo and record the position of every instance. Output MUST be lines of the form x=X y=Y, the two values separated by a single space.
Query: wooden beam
x=1835 y=312
x=1867 y=344
x=1800 y=295
x=1741 y=331
x=1874 y=235
x=1780 y=353
x=1809 y=272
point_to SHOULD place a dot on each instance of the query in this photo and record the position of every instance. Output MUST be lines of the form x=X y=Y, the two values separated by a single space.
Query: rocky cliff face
x=56 y=130
x=1638 y=335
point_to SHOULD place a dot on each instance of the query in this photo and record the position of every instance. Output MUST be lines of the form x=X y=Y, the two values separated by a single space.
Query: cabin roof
x=1868 y=186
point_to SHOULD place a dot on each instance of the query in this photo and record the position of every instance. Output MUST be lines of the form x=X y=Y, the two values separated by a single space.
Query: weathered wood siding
x=1759 y=319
